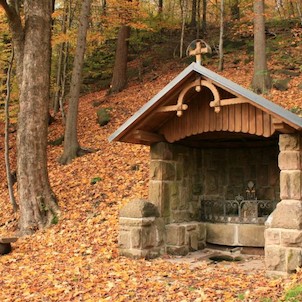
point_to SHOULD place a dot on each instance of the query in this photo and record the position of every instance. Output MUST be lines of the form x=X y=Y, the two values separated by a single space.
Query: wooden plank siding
x=201 y=118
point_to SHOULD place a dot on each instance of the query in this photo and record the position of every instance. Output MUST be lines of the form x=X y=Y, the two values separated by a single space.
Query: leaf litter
x=77 y=259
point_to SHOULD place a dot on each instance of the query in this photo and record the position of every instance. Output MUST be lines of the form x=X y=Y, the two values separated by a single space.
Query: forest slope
x=77 y=259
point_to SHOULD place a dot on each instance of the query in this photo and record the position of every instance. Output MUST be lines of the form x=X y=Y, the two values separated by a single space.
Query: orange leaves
x=77 y=259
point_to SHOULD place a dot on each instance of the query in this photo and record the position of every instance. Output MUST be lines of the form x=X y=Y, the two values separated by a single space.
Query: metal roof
x=149 y=109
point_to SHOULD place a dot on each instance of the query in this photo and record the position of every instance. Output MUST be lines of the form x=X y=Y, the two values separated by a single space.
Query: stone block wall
x=141 y=230
x=175 y=177
x=283 y=236
x=142 y=234
x=226 y=172
x=141 y=237
x=182 y=238
x=181 y=177
x=235 y=234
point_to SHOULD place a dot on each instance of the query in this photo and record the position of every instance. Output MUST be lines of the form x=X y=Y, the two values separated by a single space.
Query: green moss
x=103 y=116
x=294 y=294
x=55 y=219
x=94 y=180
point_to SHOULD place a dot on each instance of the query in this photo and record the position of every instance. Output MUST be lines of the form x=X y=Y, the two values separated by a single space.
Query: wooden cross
x=198 y=51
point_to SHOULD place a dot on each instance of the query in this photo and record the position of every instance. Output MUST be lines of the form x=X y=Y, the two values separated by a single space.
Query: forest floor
x=77 y=259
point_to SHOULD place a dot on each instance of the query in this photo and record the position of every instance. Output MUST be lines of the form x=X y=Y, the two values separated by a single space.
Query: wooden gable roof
x=199 y=102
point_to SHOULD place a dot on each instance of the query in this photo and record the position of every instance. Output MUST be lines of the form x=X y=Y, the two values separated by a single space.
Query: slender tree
x=193 y=13
x=160 y=7
x=221 y=59
x=104 y=7
x=235 y=9
x=261 y=80
x=12 y=11
x=119 y=77
x=204 y=17
x=38 y=204
x=183 y=8
x=62 y=47
x=72 y=147
x=198 y=20
x=6 y=140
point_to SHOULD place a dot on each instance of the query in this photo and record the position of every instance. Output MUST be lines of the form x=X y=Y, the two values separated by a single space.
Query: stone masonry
x=182 y=177
x=283 y=236
x=175 y=182
x=141 y=230
x=182 y=238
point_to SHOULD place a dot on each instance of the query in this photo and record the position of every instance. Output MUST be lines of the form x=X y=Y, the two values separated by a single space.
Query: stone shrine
x=225 y=168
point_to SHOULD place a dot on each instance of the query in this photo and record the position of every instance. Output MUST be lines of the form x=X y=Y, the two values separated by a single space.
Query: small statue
x=250 y=191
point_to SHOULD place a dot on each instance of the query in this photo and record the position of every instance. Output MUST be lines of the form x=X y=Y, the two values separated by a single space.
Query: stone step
x=8 y=239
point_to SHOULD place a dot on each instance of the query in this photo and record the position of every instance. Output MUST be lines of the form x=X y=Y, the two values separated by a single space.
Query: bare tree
x=72 y=147
x=38 y=204
x=160 y=6
x=119 y=77
x=6 y=140
x=193 y=13
x=183 y=7
x=220 y=66
x=62 y=54
x=204 y=17
x=235 y=9
x=261 y=80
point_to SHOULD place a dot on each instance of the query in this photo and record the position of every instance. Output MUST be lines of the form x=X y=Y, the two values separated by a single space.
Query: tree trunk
x=235 y=10
x=204 y=17
x=183 y=6
x=38 y=205
x=6 y=140
x=261 y=80
x=119 y=77
x=16 y=29
x=220 y=66
x=198 y=20
x=298 y=4
x=194 y=13
x=71 y=144
x=104 y=7
x=58 y=86
x=160 y=7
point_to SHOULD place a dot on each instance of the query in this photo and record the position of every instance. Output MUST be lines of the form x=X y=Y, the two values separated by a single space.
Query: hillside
x=77 y=259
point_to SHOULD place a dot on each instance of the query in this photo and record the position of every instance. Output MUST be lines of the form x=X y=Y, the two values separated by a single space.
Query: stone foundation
x=232 y=234
x=182 y=238
x=148 y=237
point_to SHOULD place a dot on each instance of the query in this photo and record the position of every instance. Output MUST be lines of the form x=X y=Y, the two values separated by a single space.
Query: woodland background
x=76 y=259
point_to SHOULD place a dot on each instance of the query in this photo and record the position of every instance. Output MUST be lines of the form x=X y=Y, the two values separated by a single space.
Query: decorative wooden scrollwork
x=198 y=84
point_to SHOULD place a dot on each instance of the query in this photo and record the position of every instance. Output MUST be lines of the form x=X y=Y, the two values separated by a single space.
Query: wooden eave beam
x=173 y=108
x=146 y=136
x=227 y=102
x=231 y=145
x=282 y=127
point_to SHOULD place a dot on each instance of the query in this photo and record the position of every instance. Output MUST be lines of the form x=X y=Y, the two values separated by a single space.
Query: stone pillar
x=283 y=237
x=173 y=182
x=162 y=187
x=141 y=231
